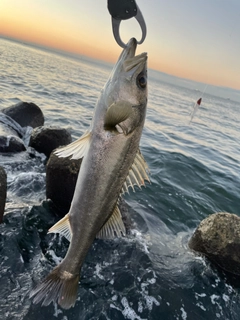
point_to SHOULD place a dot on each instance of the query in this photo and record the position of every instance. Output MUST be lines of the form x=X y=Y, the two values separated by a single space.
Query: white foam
x=128 y=312
x=152 y=281
x=201 y=295
x=97 y=271
x=56 y=310
x=114 y=307
x=213 y=298
x=143 y=241
x=229 y=288
x=184 y=313
x=140 y=307
x=200 y=305
x=150 y=301
x=114 y=298
x=55 y=258
x=225 y=298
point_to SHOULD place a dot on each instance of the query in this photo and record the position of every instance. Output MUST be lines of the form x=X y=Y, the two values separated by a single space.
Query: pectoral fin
x=76 y=149
x=63 y=227
x=113 y=227
x=138 y=173
x=118 y=112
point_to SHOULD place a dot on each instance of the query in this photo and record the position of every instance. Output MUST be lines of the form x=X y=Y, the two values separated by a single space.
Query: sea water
x=195 y=171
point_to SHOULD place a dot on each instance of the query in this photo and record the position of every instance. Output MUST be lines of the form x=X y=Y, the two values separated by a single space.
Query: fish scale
x=112 y=162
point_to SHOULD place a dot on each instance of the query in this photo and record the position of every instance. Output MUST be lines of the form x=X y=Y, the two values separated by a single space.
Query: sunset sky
x=194 y=39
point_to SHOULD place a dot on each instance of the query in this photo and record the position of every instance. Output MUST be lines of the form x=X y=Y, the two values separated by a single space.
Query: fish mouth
x=129 y=51
x=128 y=60
x=133 y=63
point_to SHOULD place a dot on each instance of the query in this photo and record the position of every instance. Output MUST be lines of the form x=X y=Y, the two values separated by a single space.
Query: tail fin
x=60 y=286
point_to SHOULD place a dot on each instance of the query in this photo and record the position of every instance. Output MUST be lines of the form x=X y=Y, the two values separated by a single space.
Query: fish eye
x=142 y=81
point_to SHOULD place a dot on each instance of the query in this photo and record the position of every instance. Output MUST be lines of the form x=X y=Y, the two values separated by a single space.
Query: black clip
x=123 y=10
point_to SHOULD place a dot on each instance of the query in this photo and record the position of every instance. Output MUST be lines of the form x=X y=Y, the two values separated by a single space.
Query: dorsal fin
x=76 y=149
x=138 y=173
x=63 y=227
x=113 y=227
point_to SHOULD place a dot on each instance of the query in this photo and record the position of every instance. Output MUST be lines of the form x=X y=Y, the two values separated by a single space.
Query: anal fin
x=113 y=227
x=63 y=227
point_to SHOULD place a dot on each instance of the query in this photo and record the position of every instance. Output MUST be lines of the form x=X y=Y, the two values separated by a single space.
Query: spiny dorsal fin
x=138 y=173
x=76 y=149
x=63 y=227
x=113 y=227
x=117 y=112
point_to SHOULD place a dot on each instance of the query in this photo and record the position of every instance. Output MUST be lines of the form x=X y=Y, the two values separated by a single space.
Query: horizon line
x=79 y=55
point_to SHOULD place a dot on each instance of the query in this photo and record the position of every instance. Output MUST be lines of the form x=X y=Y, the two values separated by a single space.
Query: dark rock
x=26 y=114
x=10 y=133
x=218 y=237
x=46 y=139
x=3 y=191
x=126 y=212
x=61 y=178
x=11 y=144
x=9 y=126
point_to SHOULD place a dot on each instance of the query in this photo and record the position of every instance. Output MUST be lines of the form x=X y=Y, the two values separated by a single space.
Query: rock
x=26 y=114
x=11 y=144
x=61 y=178
x=218 y=237
x=46 y=139
x=10 y=133
x=9 y=126
x=3 y=191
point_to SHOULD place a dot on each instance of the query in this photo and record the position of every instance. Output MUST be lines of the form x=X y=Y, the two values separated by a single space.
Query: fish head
x=128 y=80
x=125 y=93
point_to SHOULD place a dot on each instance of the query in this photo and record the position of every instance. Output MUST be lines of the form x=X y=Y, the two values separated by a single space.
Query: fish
x=112 y=164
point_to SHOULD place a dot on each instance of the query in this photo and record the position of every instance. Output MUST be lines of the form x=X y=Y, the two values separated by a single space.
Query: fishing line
x=198 y=102
x=204 y=90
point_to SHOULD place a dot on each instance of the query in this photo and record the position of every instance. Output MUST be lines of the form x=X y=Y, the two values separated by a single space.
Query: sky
x=194 y=39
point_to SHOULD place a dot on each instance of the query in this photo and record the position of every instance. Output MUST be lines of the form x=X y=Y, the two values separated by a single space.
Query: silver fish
x=112 y=162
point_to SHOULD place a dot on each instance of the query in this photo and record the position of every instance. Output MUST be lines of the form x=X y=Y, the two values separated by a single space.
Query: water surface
x=194 y=167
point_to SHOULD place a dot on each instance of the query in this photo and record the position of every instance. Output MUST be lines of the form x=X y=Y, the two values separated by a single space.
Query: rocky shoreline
x=22 y=126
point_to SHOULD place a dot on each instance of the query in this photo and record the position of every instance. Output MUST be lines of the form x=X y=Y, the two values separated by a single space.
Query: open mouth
x=130 y=61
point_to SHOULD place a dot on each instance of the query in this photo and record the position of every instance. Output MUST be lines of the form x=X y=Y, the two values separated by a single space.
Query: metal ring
x=116 y=28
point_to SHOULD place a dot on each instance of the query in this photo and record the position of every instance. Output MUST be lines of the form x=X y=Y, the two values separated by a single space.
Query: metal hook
x=116 y=27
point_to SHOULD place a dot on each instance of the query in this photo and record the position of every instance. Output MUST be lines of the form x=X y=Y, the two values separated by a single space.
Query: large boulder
x=3 y=191
x=11 y=144
x=26 y=114
x=61 y=177
x=9 y=126
x=218 y=238
x=10 y=135
x=46 y=139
